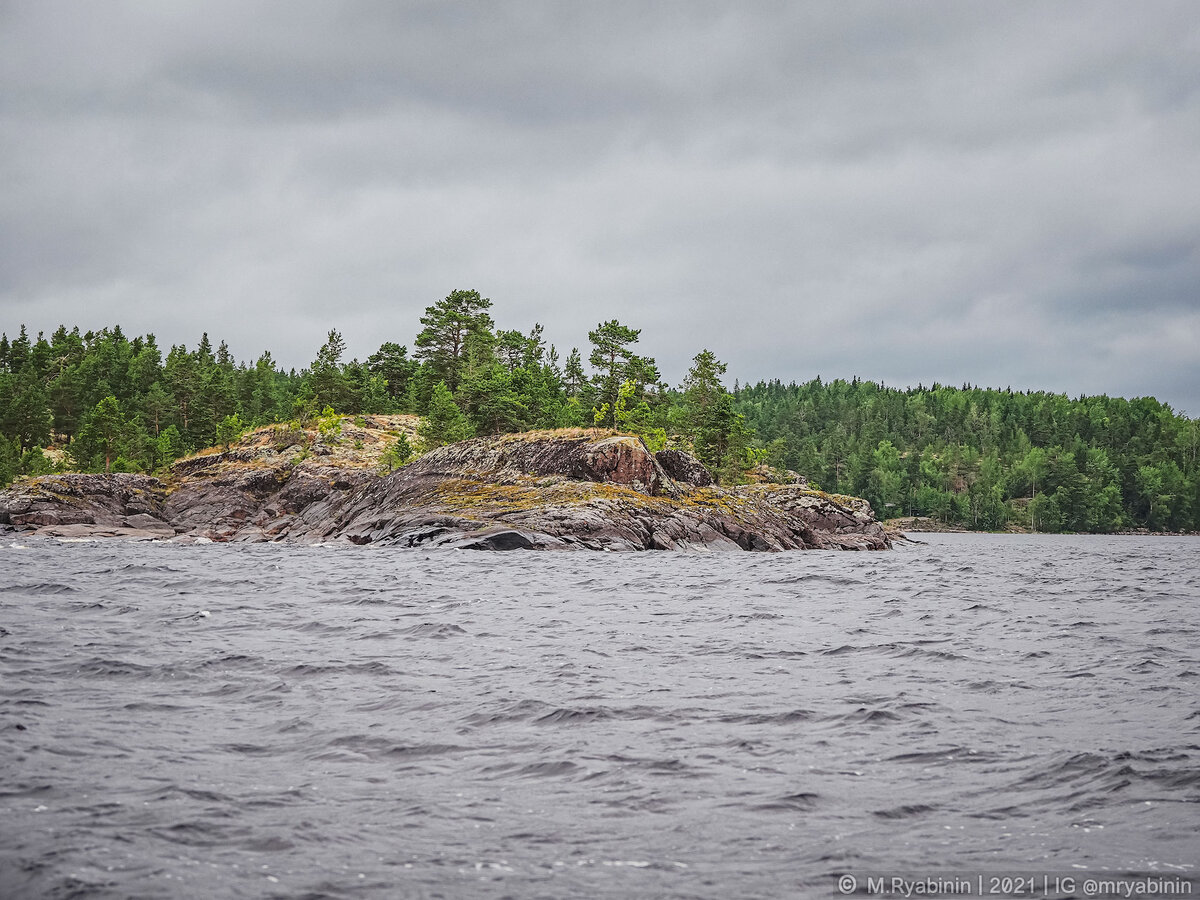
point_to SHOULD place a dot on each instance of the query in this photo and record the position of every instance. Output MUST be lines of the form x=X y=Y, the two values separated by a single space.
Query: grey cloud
x=908 y=192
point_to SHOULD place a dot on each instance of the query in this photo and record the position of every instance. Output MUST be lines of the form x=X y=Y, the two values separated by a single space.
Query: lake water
x=320 y=722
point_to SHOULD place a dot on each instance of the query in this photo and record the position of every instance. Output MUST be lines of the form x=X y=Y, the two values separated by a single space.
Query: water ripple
x=352 y=723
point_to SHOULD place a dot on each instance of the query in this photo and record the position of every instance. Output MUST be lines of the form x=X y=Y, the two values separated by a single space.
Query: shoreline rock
x=542 y=490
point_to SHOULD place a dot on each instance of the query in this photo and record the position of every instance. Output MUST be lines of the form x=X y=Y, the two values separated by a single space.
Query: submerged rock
x=543 y=491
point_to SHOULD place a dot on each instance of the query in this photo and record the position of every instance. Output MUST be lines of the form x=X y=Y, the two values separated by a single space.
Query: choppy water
x=262 y=721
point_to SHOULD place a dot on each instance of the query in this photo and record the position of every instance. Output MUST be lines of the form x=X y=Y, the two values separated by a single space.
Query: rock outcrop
x=684 y=468
x=77 y=505
x=578 y=456
x=548 y=491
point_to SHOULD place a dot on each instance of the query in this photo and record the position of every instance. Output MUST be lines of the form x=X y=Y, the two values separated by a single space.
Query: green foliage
x=621 y=413
x=168 y=447
x=985 y=458
x=34 y=462
x=448 y=327
x=326 y=378
x=396 y=455
x=444 y=423
x=14 y=463
x=58 y=383
x=739 y=454
x=631 y=418
x=124 y=464
x=885 y=481
x=304 y=407
x=10 y=460
x=391 y=364
x=575 y=381
x=717 y=432
x=103 y=436
x=492 y=396
x=329 y=425
x=1045 y=514
x=373 y=395
x=654 y=437
x=616 y=365
x=229 y=430
x=287 y=435
x=26 y=415
x=1162 y=494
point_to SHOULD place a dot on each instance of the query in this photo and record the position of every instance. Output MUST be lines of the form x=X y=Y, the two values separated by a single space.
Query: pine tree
x=229 y=430
x=391 y=363
x=27 y=417
x=101 y=436
x=444 y=423
x=709 y=418
x=615 y=364
x=329 y=384
x=448 y=325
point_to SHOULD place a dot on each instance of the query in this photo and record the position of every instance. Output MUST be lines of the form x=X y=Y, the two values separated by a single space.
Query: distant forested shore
x=978 y=458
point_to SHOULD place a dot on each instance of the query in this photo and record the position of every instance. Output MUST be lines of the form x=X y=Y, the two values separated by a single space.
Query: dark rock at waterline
x=104 y=501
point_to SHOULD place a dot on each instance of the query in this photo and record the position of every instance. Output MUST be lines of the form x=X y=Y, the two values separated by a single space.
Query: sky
x=1006 y=194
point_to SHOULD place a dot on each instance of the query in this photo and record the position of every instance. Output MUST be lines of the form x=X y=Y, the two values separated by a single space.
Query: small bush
x=396 y=455
x=229 y=430
x=289 y=435
x=329 y=426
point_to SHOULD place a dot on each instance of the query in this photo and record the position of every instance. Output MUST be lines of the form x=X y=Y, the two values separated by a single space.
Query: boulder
x=683 y=468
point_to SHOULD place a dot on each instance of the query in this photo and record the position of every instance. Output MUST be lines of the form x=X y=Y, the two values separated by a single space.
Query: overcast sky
x=1001 y=193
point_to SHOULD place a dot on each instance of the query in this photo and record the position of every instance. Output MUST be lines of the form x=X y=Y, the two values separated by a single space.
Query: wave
x=767 y=723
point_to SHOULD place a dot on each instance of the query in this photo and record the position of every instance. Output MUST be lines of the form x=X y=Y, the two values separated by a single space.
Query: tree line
x=103 y=401
x=985 y=459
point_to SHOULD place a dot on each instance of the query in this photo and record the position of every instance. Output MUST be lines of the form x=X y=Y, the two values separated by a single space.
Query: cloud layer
x=918 y=192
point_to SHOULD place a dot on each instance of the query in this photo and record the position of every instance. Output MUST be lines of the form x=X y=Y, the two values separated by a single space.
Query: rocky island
x=551 y=490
